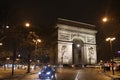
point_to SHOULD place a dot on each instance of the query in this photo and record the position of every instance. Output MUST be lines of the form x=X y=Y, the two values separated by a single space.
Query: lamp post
x=27 y=25
x=32 y=37
x=36 y=41
x=111 y=39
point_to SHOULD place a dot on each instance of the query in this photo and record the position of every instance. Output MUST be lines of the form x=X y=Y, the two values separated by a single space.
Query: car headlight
x=39 y=72
x=48 y=73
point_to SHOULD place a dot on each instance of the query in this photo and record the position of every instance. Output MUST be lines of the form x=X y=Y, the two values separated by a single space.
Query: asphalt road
x=90 y=74
x=66 y=74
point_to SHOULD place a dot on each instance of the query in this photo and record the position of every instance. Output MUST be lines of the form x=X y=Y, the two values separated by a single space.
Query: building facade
x=76 y=43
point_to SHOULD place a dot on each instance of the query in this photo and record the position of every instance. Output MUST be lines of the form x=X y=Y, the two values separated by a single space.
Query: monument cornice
x=75 y=23
x=77 y=29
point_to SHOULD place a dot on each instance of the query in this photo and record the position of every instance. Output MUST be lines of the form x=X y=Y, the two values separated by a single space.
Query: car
x=47 y=73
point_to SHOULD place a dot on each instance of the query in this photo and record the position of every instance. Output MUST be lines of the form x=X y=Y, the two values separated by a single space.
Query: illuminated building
x=76 y=43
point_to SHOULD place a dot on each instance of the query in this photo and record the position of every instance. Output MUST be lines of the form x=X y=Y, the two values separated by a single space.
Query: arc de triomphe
x=76 y=42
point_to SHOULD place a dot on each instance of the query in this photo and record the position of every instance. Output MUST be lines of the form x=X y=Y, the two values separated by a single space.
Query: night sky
x=46 y=12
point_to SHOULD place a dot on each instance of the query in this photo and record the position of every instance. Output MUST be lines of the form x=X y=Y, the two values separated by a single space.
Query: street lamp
x=1 y=44
x=105 y=19
x=7 y=26
x=32 y=36
x=111 y=39
x=27 y=25
x=36 y=41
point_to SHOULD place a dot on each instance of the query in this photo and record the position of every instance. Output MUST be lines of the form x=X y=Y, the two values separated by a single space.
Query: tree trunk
x=13 y=62
x=28 y=69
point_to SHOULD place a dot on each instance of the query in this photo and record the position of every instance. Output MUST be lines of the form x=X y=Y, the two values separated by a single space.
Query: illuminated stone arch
x=70 y=32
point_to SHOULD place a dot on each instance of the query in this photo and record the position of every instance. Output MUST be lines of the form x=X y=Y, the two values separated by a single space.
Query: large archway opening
x=77 y=51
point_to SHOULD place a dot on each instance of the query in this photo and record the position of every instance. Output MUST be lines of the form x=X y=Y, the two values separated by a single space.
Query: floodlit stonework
x=76 y=42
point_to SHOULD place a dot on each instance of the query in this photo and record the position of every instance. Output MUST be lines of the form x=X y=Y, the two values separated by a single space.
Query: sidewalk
x=15 y=77
x=6 y=74
x=110 y=73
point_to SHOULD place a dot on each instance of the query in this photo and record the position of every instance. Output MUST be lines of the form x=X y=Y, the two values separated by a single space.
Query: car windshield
x=46 y=69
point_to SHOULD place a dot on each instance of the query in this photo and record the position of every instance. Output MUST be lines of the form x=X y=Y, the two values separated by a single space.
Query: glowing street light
x=27 y=25
x=1 y=44
x=110 y=39
x=105 y=19
x=36 y=41
x=7 y=26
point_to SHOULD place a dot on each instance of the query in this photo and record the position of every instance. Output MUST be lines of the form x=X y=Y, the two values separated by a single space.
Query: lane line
x=76 y=78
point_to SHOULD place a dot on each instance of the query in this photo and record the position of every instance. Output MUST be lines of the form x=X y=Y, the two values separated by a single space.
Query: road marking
x=76 y=78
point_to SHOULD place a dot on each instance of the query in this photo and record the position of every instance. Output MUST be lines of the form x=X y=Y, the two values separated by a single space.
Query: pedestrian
x=104 y=68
